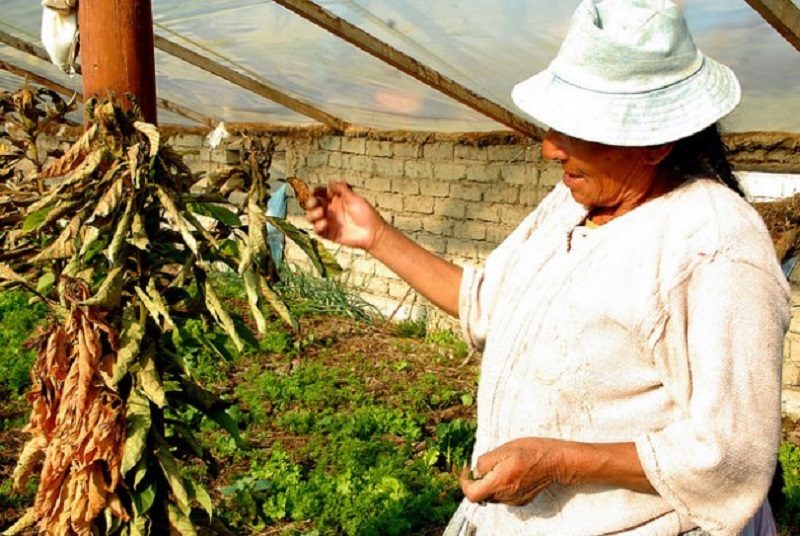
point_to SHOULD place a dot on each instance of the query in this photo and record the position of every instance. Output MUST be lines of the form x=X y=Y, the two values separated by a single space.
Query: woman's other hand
x=514 y=473
x=339 y=214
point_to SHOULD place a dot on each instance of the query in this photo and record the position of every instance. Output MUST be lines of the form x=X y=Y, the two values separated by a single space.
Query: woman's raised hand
x=341 y=215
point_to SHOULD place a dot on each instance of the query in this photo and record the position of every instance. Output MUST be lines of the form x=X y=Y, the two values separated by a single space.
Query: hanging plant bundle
x=117 y=250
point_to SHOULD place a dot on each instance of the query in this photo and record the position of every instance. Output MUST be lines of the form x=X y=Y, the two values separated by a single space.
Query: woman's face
x=606 y=178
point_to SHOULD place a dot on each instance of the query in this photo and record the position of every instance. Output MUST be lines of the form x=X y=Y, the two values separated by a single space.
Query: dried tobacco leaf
x=301 y=191
x=79 y=417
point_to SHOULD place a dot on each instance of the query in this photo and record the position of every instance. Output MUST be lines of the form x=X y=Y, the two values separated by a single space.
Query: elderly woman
x=632 y=325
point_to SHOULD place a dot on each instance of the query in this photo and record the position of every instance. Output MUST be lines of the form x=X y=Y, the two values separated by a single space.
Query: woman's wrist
x=603 y=463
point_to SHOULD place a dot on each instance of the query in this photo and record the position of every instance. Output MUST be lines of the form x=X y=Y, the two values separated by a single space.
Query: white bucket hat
x=628 y=73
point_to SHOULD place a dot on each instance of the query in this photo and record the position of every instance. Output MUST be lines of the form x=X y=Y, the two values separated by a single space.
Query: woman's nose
x=553 y=146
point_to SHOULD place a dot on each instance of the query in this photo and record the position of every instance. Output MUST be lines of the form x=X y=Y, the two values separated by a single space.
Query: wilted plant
x=116 y=249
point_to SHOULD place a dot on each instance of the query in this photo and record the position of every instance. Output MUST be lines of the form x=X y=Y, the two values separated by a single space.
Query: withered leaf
x=301 y=191
x=148 y=379
x=32 y=453
x=27 y=520
x=172 y=473
x=180 y=522
x=110 y=200
x=154 y=302
x=222 y=317
x=110 y=292
x=153 y=136
x=251 y=285
x=176 y=219
x=73 y=157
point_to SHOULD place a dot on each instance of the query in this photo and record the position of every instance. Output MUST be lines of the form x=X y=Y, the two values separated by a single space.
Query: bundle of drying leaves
x=116 y=248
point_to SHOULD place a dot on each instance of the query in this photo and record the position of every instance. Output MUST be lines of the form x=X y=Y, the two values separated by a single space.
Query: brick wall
x=459 y=196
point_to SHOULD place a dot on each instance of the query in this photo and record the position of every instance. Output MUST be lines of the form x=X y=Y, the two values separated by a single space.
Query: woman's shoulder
x=711 y=217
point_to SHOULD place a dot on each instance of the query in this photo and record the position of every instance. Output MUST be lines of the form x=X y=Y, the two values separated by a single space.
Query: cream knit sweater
x=663 y=327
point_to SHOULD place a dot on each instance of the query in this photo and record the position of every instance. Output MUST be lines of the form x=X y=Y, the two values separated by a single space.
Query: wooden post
x=117 y=51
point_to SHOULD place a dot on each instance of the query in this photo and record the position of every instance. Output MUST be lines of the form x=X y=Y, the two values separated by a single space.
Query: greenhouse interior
x=240 y=408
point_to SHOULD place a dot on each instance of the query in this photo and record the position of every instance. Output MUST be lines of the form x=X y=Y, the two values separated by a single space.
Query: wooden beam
x=40 y=53
x=782 y=15
x=42 y=81
x=24 y=46
x=259 y=88
x=176 y=108
x=366 y=42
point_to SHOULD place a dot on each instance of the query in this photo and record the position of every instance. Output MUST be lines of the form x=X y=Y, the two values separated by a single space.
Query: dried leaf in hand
x=301 y=191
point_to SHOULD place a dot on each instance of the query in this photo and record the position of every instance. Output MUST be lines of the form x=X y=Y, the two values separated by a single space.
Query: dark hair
x=703 y=154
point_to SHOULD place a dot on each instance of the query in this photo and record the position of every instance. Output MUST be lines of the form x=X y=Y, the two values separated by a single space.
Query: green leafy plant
x=308 y=294
x=18 y=318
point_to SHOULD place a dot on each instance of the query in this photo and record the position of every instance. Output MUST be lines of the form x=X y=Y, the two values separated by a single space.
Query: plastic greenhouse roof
x=486 y=46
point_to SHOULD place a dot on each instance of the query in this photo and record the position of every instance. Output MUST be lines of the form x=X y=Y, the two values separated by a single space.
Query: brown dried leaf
x=73 y=157
x=32 y=454
x=64 y=246
x=109 y=202
x=153 y=136
x=175 y=218
x=27 y=520
x=301 y=191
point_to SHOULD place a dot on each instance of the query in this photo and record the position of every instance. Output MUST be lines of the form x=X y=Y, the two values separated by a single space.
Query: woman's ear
x=656 y=153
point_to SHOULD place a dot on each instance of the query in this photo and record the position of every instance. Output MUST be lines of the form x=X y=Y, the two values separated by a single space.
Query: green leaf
x=141 y=471
x=120 y=235
x=217 y=344
x=143 y=499
x=46 y=282
x=217 y=212
x=109 y=294
x=138 y=424
x=130 y=342
x=211 y=406
x=279 y=305
x=172 y=473
x=93 y=243
x=188 y=438
x=321 y=258
x=199 y=493
x=34 y=219
x=245 y=333
x=180 y=522
x=148 y=378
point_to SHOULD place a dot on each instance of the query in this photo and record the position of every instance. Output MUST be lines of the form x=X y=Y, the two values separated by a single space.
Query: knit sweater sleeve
x=719 y=348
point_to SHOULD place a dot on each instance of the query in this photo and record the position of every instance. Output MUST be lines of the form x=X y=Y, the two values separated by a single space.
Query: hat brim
x=631 y=119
